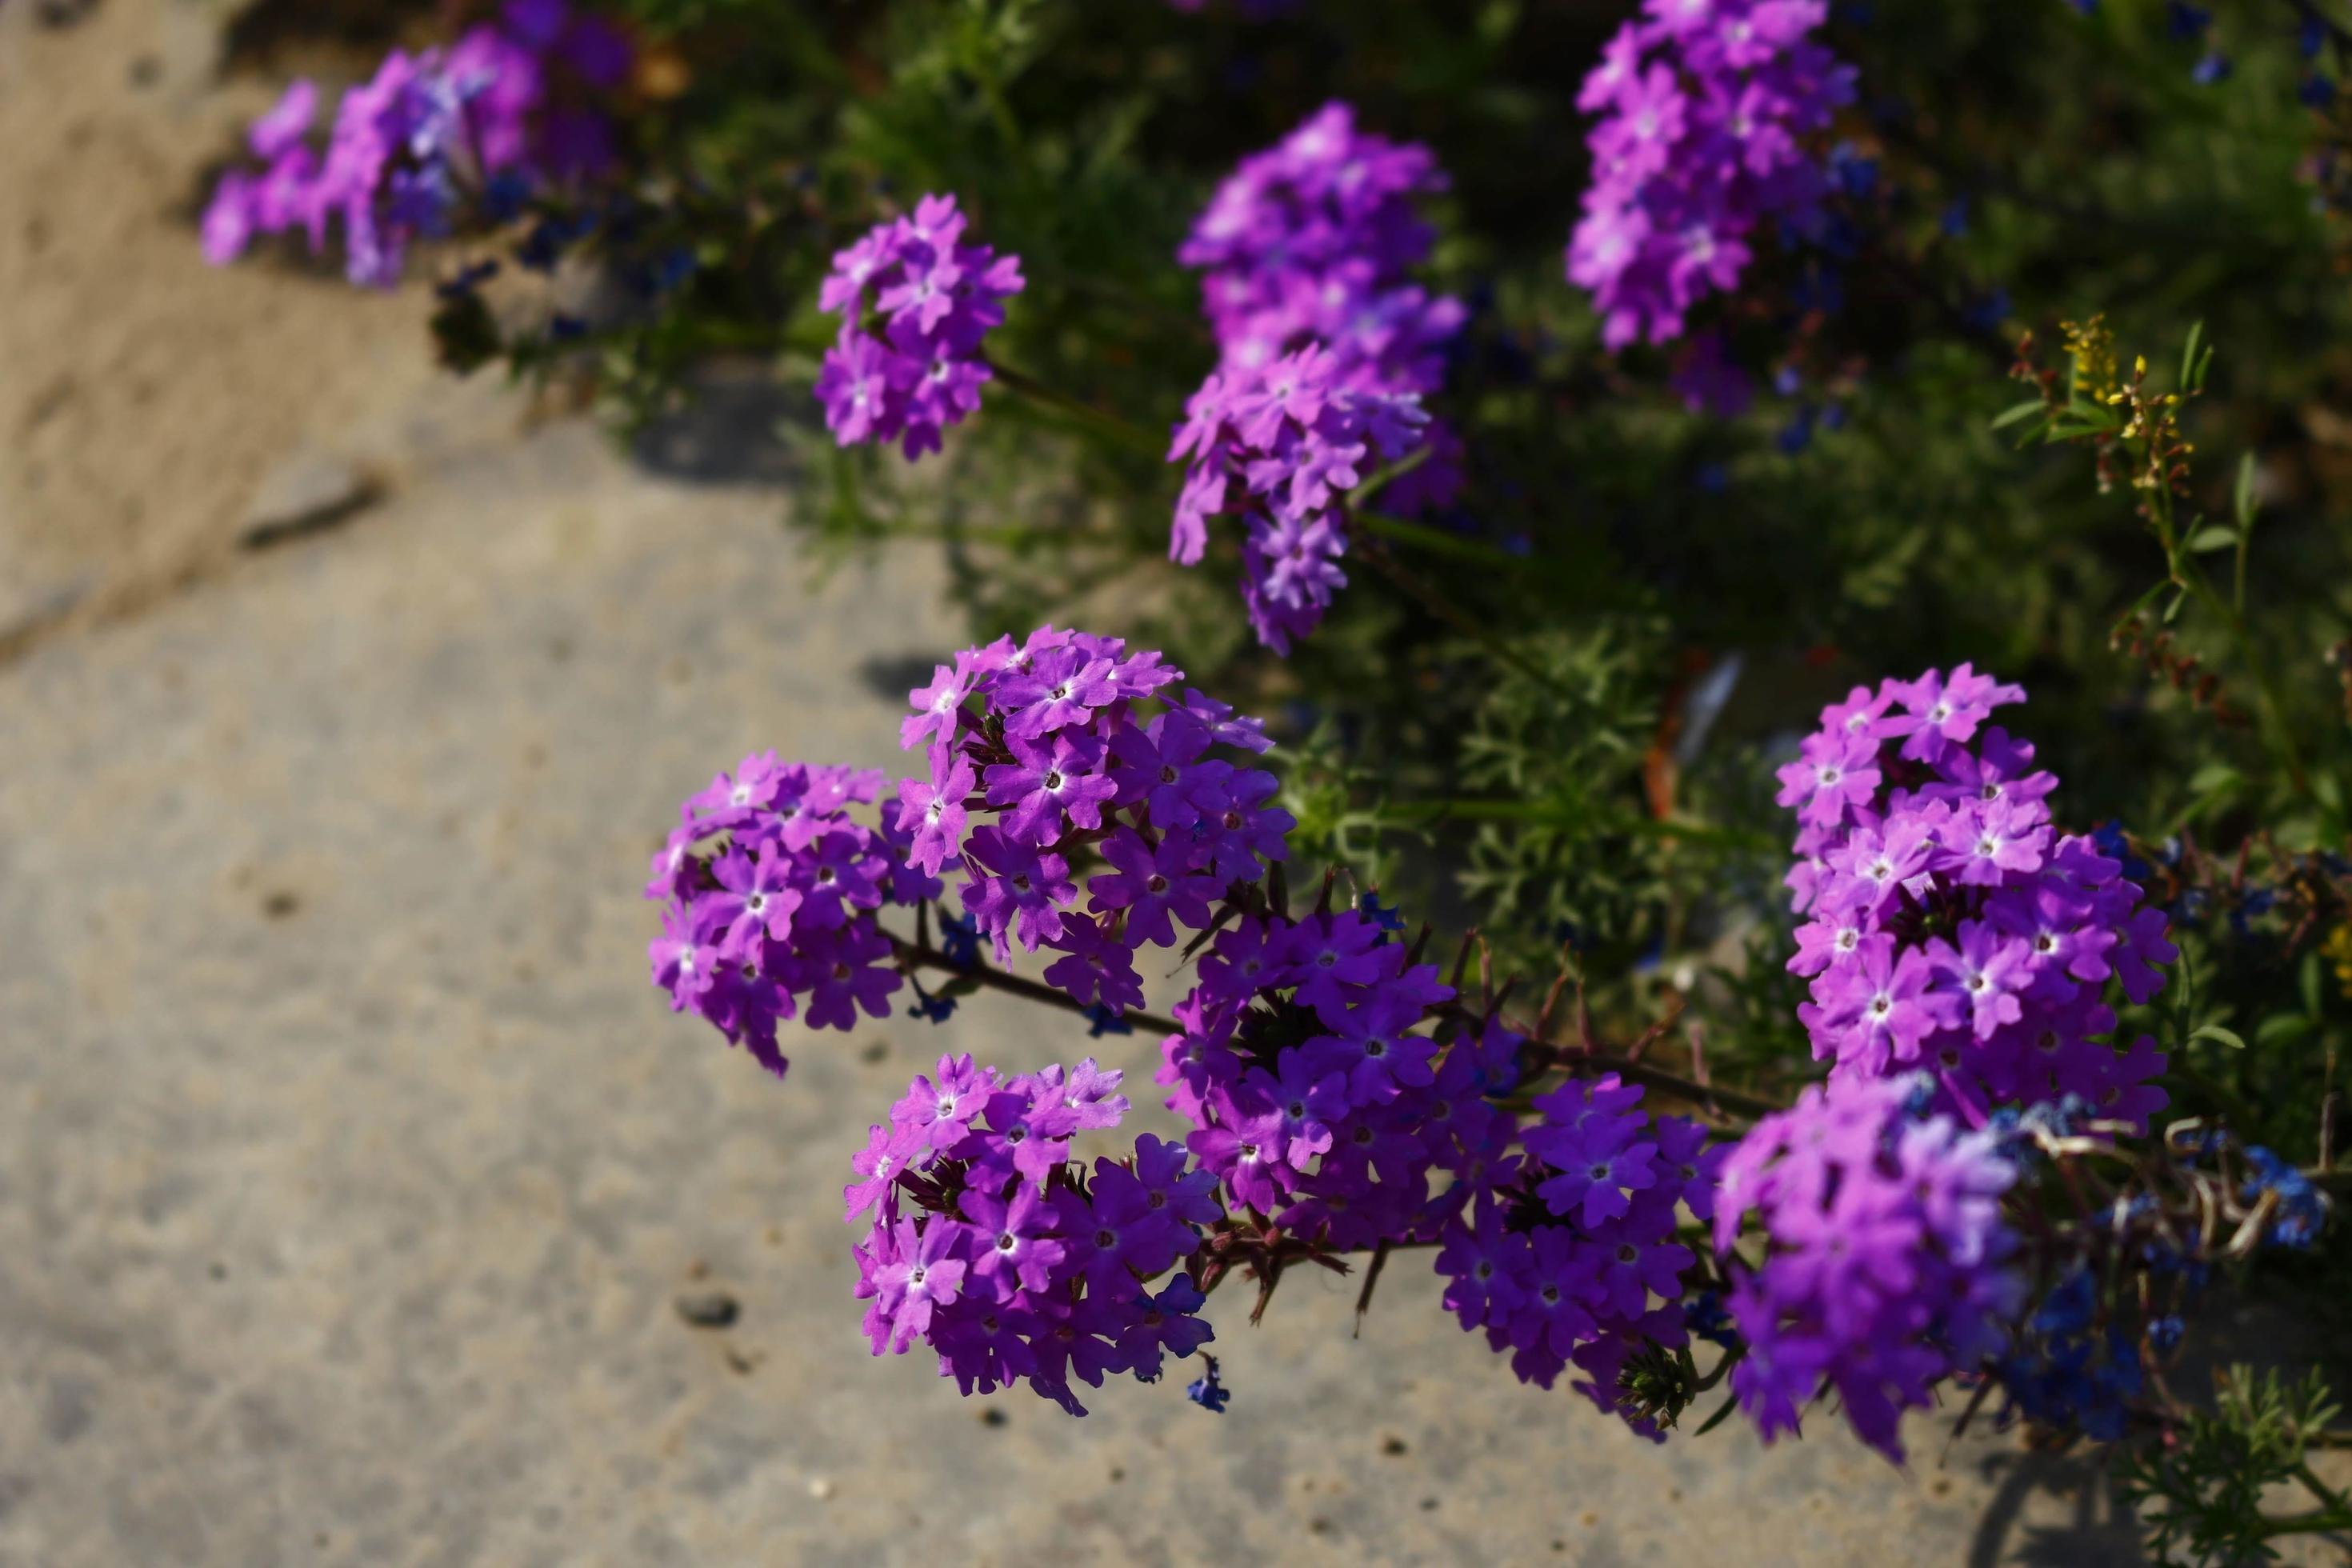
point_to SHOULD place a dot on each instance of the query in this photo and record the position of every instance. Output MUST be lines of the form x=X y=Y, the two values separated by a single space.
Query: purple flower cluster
x=1307 y=250
x=1313 y=241
x=768 y=890
x=1951 y=928
x=1316 y=1099
x=1884 y=1264
x=1065 y=744
x=915 y=367
x=1573 y=1259
x=1000 y=1252
x=1281 y=446
x=430 y=131
x=1705 y=107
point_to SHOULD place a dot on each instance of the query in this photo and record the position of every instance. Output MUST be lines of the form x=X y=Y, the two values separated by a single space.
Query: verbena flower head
x=915 y=302
x=1090 y=813
x=769 y=888
x=1705 y=108
x=1279 y=447
x=1314 y=241
x=1572 y=1259
x=1307 y=252
x=1318 y=1095
x=418 y=146
x=1011 y=1260
x=1081 y=809
x=1885 y=1260
x=1951 y=928
x=1340 y=1095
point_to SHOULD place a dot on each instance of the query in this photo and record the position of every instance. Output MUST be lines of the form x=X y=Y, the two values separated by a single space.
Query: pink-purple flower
x=420 y=143
x=1278 y=448
x=915 y=302
x=1706 y=109
x=1950 y=927
x=1011 y=1261
x=1884 y=1262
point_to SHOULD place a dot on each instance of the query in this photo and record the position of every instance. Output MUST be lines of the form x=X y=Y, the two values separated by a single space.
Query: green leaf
x=2216 y=1032
x=1722 y=1414
x=2215 y=779
x=2010 y=416
x=2243 y=497
x=2213 y=537
x=2307 y=983
x=2188 y=367
x=2283 y=1029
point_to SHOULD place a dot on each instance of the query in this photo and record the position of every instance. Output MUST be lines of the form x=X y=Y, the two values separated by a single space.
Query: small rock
x=709 y=1309
x=821 y=1489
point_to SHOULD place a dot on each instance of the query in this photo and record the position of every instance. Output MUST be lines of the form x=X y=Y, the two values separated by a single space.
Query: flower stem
x=1133 y=437
x=922 y=955
x=1418 y=588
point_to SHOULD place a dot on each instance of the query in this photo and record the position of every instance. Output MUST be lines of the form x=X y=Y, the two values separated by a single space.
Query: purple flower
x=1007 y=1260
x=1014 y=890
x=409 y=150
x=916 y=303
x=926 y=1275
x=1488 y=1267
x=934 y=813
x=1024 y=1135
x=1885 y=1267
x=863 y=389
x=1050 y=787
x=1953 y=837
x=1704 y=105
x=887 y=1152
x=1014 y=1248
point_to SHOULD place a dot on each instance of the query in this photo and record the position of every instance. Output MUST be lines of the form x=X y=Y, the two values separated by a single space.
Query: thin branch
x=915 y=956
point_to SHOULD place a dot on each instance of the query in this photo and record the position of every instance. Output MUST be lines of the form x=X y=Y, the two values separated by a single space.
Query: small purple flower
x=934 y=813
x=916 y=303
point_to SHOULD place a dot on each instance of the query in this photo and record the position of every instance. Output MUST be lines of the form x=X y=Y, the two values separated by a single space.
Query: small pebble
x=709 y=1309
x=821 y=1489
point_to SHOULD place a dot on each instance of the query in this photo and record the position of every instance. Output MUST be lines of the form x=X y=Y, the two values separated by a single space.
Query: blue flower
x=960 y=939
x=2302 y=1208
x=1206 y=1392
x=936 y=1009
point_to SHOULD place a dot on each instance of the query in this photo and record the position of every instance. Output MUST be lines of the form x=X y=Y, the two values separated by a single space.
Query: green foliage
x=2202 y=1495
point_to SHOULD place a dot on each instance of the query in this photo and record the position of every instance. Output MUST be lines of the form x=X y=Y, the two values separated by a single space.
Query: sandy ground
x=352 y=1171
x=145 y=397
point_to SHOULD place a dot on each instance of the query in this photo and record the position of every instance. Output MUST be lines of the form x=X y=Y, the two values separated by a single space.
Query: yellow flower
x=2092 y=346
x=2337 y=949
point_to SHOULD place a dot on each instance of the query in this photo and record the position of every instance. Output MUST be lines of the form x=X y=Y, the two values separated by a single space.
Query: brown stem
x=915 y=955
